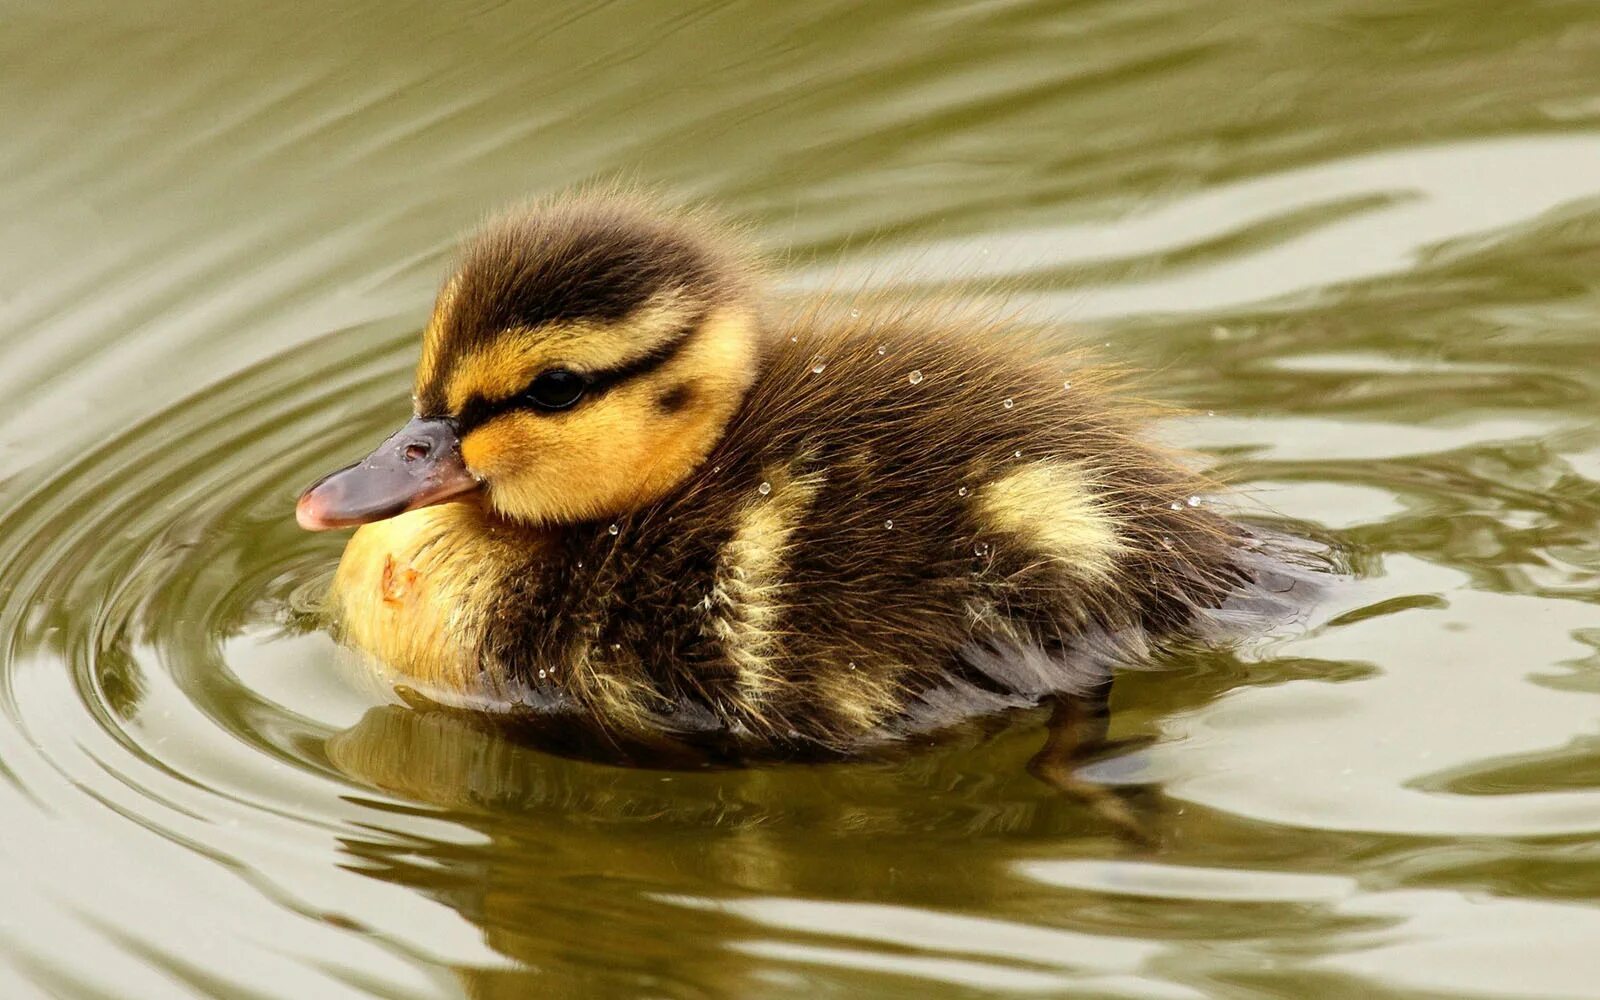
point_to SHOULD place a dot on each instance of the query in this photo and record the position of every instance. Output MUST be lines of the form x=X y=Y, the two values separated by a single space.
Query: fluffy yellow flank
x=1052 y=505
x=746 y=601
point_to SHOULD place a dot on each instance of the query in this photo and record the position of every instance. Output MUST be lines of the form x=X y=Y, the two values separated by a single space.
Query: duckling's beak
x=418 y=465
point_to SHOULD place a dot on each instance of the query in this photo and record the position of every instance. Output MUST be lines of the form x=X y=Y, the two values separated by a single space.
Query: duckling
x=639 y=497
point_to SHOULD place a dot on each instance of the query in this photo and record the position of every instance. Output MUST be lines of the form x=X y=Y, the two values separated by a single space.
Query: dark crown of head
x=593 y=259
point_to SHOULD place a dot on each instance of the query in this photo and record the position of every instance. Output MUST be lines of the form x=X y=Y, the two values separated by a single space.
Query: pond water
x=1360 y=240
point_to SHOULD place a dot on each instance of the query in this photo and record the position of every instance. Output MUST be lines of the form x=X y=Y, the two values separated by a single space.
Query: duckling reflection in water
x=636 y=502
x=606 y=881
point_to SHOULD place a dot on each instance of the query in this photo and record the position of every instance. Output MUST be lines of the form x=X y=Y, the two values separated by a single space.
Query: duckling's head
x=581 y=362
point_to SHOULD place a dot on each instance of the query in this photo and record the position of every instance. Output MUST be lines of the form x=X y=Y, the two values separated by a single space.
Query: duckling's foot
x=1094 y=750
x=1076 y=732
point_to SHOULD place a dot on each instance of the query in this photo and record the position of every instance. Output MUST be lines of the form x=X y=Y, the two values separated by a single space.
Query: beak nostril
x=417 y=466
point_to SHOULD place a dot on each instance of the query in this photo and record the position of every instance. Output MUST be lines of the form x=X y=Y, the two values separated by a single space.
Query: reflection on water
x=1360 y=241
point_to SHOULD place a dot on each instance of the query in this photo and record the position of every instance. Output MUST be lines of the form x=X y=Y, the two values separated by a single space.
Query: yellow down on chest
x=414 y=593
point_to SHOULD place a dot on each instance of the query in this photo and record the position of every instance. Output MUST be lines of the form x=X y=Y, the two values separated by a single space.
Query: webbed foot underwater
x=637 y=496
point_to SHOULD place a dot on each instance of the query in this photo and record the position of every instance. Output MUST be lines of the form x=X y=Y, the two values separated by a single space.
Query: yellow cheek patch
x=1052 y=505
x=498 y=445
x=593 y=460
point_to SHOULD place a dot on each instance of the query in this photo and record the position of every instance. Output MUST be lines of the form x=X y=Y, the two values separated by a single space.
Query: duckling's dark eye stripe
x=479 y=410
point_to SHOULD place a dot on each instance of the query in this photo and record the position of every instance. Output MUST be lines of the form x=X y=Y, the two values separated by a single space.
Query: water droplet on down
x=914 y=377
x=612 y=530
x=764 y=488
x=1008 y=404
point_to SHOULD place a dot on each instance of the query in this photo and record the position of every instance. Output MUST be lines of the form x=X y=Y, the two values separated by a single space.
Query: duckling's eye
x=555 y=390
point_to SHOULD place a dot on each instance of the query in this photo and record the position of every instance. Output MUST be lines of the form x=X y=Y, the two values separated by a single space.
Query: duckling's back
x=906 y=523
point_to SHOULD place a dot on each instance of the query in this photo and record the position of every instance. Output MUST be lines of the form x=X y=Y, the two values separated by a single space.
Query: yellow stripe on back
x=1053 y=507
x=746 y=603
